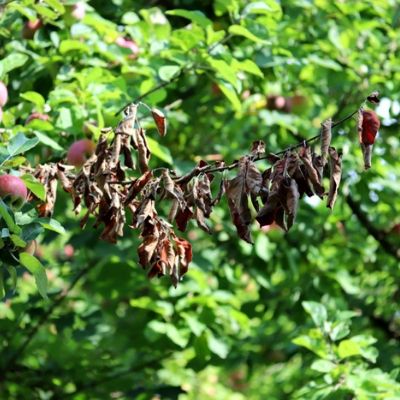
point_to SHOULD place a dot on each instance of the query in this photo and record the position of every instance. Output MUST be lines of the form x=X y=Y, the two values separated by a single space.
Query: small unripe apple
x=37 y=115
x=78 y=10
x=30 y=28
x=128 y=44
x=3 y=94
x=80 y=151
x=30 y=248
x=14 y=189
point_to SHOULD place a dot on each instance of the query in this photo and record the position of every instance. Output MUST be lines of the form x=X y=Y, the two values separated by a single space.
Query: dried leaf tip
x=160 y=121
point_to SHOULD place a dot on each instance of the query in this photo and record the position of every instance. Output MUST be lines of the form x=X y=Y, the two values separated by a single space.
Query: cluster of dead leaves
x=106 y=188
x=275 y=193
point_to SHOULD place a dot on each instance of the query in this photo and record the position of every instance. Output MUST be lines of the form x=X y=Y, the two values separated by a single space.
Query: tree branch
x=377 y=234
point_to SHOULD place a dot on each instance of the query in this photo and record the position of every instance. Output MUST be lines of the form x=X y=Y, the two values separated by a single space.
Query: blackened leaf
x=335 y=163
x=374 y=97
x=266 y=215
x=160 y=120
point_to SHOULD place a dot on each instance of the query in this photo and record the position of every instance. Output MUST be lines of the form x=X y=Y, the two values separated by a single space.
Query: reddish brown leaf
x=335 y=162
x=182 y=218
x=238 y=206
x=160 y=120
x=370 y=127
x=143 y=151
x=137 y=185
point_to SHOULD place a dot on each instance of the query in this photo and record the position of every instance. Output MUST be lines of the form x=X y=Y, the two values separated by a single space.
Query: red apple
x=37 y=115
x=3 y=94
x=78 y=10
x=80 y=151
x=30 y=28
x=13 y=188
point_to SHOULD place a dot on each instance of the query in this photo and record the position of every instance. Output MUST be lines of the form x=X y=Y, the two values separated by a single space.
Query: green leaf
x=247 y=66
x=317 y=311
x=242 y=31
x=217 y=346
x=52 y=225
x=20 y=144
x=159 y=151
x=13 y=275
x=35 y=267
x=176 y=336
x=167 y=72
x=224 y=70
x=34 y=186
x=231 y=95
x=35 y=98
x=14 y=162
x=8 y=218
x=17 y=240
x=13 y=61
x=48 y=141
x=45 y=12
x=56 y=5
x=64 y=120
x=195 y=16
x=348 y=348
x=323 y=366
x=73 y=45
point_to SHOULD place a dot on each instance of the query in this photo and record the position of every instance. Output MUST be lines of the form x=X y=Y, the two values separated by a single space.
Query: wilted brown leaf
x=160 y=120
x=335 y=163
x=367 y=154
x=310 y=171
x=326 y=136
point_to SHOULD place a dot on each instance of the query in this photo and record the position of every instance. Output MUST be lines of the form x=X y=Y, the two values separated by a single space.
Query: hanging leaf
x=335 y=162
x=291 y=201
x=160 y=121
x=367 y=155
x=326 y=136
x=310 y=171
x=370 y=127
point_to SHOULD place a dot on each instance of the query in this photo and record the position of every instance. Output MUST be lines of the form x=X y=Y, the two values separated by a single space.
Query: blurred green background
x=309 y=314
